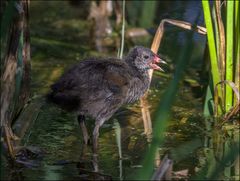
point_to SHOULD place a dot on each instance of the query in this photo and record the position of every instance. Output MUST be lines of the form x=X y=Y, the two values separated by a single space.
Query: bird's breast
x=137 y=89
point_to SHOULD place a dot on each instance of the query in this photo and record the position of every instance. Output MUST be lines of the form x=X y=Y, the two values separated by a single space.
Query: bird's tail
x=67 y=102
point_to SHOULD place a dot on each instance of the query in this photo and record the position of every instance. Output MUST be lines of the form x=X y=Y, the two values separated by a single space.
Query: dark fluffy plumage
x=98 y=87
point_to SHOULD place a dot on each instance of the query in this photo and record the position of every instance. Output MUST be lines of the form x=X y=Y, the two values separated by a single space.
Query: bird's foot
x=95 y=155
x=95 y=162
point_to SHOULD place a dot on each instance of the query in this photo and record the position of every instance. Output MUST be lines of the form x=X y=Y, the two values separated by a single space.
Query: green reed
x=223 y=49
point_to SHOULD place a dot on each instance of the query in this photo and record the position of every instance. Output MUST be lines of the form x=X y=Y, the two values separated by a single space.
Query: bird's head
x=144 y=59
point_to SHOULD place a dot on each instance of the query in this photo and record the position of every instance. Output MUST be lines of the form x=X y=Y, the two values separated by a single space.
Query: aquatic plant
x=223 y=50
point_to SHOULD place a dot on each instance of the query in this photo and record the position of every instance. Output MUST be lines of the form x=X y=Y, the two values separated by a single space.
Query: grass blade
x=229 y=54
x=123 y=30
x=211 y=42
x=237 y=46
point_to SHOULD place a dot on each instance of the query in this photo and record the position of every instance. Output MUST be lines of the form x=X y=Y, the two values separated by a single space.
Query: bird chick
x=98 y=87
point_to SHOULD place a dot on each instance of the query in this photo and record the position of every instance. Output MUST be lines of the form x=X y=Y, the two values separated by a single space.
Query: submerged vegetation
x=194 y=104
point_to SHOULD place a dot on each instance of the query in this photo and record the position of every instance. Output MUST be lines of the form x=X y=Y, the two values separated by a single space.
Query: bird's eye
x=146 y=57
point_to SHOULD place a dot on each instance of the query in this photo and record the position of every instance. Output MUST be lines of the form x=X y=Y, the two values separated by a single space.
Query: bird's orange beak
x=156 y=60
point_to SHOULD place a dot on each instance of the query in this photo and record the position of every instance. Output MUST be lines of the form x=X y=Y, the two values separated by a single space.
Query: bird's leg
x=95 y=163
x=95 y=145
x=98 y=124
x=81 y=121
x=95 y=138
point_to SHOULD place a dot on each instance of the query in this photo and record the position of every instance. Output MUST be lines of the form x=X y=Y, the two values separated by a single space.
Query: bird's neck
x=141 y=73
x=139 y=84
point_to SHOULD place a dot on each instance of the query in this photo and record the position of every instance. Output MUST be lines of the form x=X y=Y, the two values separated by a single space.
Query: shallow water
x=58 y=134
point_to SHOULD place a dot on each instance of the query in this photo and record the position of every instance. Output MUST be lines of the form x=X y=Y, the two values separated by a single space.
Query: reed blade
x=211 y=43
x=229 y=53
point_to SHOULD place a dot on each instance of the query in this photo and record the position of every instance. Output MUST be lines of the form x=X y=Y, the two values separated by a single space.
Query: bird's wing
x=105 y=80
x=92 y=86
x=117 y=80
x=94 y=80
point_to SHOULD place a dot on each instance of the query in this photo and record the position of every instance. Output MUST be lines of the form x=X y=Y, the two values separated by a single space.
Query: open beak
x=156 y=60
